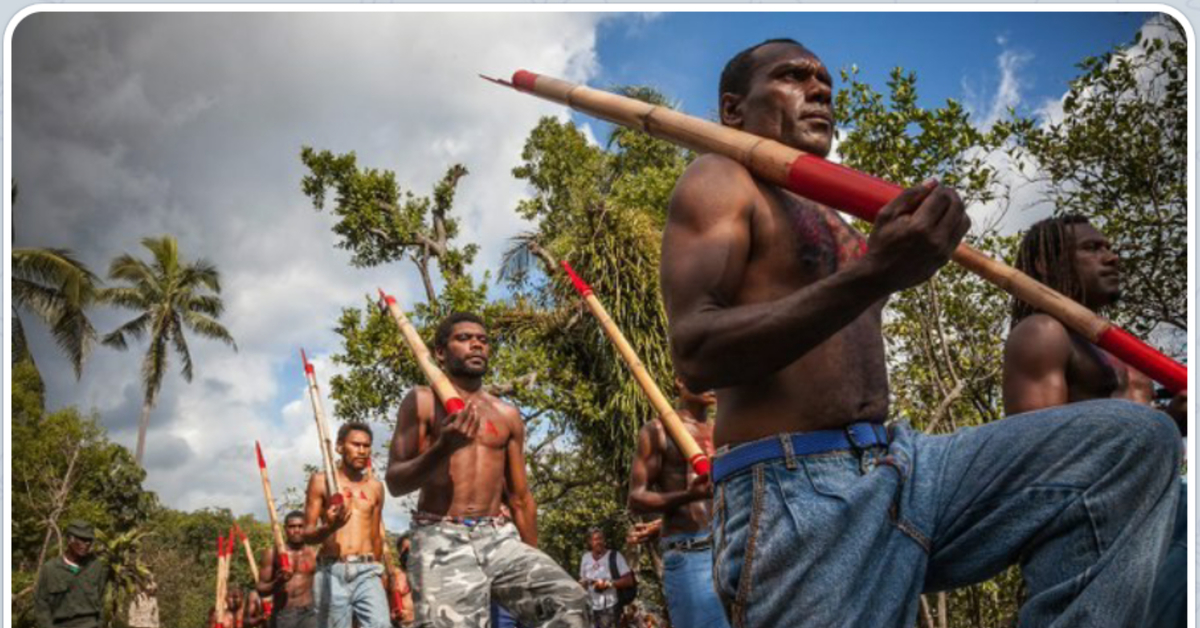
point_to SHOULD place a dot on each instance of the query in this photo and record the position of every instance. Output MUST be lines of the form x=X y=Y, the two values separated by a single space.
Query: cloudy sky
x=135 y=125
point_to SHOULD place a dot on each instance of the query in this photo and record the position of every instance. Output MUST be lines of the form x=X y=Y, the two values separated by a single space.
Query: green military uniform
x=70 y=596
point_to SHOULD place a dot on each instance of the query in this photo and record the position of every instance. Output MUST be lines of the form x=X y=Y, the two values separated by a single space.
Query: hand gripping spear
x=280 y=549
x=849 y=190
x=332 y=488
x=670 y=420
x=437 y=379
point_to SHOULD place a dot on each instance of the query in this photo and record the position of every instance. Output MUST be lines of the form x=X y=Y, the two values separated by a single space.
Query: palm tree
x=58 y=289
x=170 y=296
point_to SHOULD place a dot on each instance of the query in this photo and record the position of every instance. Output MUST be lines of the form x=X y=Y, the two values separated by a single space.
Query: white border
x=6 y=553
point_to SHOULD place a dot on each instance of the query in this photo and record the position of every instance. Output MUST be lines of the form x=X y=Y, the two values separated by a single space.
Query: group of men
x=817 y=513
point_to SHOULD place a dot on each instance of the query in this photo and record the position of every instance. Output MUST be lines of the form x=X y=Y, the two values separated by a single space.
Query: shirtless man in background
x=291 y=591
x=660 y=481
x=466 y=465
x=348 y=583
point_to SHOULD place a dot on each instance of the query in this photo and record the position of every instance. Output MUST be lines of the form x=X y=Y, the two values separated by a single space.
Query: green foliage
x=1119 y=156
x=58 y=289
x=171 y=297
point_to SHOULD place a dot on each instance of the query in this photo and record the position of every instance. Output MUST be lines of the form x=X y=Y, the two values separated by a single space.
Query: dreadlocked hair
x=1047 y=255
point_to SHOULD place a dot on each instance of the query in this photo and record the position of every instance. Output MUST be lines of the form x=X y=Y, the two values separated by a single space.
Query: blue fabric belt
x=855 y=436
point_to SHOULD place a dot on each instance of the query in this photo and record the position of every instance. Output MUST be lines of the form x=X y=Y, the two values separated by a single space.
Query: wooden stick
x=332 y=486
x=276 y=532
x=433 y=374
x=849 y=190
x=249 y=553
x=220 y=594
x=666 y=413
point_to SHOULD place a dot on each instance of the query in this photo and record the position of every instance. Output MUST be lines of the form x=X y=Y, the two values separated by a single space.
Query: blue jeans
x=501 y=618
x=688 y=585
x=342 y=589
x=1168 y=606
x=1082 y=496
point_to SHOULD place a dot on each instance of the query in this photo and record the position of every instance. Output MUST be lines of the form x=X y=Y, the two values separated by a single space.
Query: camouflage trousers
x=460 y=569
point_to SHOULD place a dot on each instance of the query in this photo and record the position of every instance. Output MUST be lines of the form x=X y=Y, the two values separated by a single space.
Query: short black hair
x=442 y=337
x=295 y=514
x=352 y=426
x=735 y=78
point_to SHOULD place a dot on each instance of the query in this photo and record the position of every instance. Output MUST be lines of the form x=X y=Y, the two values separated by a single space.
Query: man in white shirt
x=597 y=577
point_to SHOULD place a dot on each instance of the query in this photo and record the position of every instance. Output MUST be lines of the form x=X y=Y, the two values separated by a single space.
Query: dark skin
x=598 y=546
x=294 y=587
x=233 y=607
x=468 y=463
x=660 y=479
x=1047 y=365
x=352 y=527
x=773 y=300
x=78 y=550
x=254 y=611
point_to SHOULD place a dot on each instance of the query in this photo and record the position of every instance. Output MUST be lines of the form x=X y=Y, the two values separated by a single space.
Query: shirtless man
x=464 y=553
x=349 y=577
x=822 y=516
x=1048 y=365
x=291 y=591
x=660 y=482
x=234 y=611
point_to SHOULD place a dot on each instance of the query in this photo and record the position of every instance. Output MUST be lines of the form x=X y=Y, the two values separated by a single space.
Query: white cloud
x=128 y=125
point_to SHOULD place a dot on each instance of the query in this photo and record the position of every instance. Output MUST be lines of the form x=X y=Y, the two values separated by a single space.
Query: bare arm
x=644 y=472
x=377 y=522
x=520 y=500
x=706 y=252
x=410 y=461
x=321 y=522
x=1036 y=356
x=266 y=572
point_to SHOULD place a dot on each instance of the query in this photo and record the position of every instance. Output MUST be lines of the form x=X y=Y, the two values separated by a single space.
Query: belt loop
x=789 y=454
x=857 y=448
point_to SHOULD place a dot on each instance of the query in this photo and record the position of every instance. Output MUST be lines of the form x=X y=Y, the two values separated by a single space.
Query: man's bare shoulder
x=420 y=399
x=654 y=430
x=1038 y=335
x=712 y=187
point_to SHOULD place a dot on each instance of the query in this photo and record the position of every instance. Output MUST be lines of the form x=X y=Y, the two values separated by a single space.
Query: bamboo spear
x=666 y=413
x=332 y=487
x=854 y=192
x=277 y=534
x=249 y=552
x=220 y=594
x=437 y=379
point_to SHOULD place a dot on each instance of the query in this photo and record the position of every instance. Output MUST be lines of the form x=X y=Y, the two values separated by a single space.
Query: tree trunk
x=143 y=423
x=60 y=504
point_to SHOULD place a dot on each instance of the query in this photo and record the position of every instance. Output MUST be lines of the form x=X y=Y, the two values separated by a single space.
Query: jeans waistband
x=856 y=436
x=686 y=543
x=349 y=558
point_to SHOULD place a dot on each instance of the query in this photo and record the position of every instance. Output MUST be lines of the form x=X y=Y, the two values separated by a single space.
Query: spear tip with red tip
x=581 y=286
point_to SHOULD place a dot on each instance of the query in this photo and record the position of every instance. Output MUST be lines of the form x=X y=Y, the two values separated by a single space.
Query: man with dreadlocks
x=823 y=513
x=1048 y=365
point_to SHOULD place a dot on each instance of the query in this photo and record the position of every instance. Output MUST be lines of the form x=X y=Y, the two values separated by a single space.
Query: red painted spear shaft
x=433 y=374
x=854 y=192
x=670 y=420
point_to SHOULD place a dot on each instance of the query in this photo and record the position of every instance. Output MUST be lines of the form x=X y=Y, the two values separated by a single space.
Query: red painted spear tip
x=580 y=285
x=524 y=80
x=308 y=367
x=262 y=462
x=387 y=298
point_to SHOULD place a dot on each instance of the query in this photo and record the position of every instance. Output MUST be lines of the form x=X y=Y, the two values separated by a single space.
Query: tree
x=1118 y=155
x=171 y=297
x=944 y=356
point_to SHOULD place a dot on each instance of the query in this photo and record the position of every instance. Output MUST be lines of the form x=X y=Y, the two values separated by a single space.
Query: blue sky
x=128 y=125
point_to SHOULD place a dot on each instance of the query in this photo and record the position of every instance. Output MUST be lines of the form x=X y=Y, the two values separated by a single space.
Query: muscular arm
x=1036 y=356
x=377 y=523
x=647 y=465
x=409 y=461
x=706 y=252
x=520 y=500
x=316 y=529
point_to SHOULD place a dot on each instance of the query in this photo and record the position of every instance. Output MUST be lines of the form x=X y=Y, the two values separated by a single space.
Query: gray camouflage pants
x=459 y=569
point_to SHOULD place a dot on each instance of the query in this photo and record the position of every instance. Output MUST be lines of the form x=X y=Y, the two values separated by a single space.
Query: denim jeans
x=1081 y=496
x=344 y=589
x=688 y=585
x=1168 y=605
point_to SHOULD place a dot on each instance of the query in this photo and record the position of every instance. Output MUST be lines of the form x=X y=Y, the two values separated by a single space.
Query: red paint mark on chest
x=362 y=494
x=491 y=429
